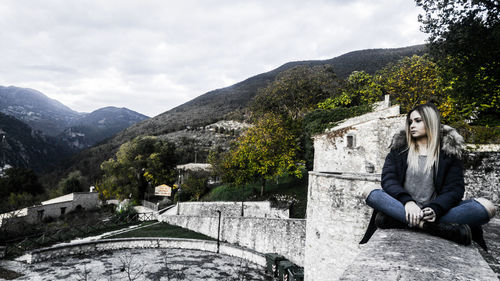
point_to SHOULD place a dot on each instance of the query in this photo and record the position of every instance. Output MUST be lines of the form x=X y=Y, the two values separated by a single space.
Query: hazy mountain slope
x=37 y=110
x=78 y=130
x=21 y=146
x=99 y=125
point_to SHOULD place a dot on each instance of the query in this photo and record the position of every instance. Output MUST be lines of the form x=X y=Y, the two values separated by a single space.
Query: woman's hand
x=413 y=213
x=429 y=214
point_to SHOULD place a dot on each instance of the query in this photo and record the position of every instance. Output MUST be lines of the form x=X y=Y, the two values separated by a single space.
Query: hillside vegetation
x=229 y=102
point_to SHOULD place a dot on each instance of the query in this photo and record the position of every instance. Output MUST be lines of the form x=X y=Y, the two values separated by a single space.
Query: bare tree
x=132 y=270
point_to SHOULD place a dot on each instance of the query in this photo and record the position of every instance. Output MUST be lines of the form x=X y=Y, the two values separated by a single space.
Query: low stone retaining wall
x=284 y=236
x=132 y=243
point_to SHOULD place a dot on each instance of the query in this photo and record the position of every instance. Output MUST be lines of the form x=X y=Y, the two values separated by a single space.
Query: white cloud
x=152 y=55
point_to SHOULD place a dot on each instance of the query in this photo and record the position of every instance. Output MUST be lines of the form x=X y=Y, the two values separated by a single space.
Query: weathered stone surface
x=409 y=255
x=492 y=237
x=265 y=235
x=336 y=220
x=371 y=136
x=233 y=209
x=482 y=175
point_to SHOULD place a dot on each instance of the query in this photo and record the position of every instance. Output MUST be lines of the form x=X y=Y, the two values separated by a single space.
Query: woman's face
x=417 y=128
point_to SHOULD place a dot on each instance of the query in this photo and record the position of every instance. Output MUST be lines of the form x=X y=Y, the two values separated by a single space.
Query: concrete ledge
x=132 y=243
x=409 y=255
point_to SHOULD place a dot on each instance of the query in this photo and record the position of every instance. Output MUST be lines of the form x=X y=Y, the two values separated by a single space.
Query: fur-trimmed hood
x=452 y=143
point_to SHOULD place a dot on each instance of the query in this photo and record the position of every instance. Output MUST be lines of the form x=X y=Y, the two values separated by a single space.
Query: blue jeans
x=468 y=212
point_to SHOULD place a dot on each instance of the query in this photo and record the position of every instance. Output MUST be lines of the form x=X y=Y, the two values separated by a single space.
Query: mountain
x=36 y=109
x=215 y=105
x=52 y=118
x=99 y=125
x=22 y=146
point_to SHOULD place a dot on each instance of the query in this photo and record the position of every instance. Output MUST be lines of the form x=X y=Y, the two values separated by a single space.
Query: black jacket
x=448 y=180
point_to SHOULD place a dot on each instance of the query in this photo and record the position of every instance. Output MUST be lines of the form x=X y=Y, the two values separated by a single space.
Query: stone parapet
x=409 y=255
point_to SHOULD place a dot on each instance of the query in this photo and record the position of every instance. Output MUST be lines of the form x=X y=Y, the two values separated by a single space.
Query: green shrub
x=478 y=134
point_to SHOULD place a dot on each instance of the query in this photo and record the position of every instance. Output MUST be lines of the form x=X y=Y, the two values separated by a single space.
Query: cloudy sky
x=153 y=55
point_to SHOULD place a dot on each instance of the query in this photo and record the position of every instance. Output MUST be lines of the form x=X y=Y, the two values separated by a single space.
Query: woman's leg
x=474 y=212
x=383 y=202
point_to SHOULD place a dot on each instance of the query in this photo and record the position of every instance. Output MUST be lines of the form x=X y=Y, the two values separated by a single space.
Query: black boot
x=477 y=236
x=384 y=221
x=459 y=233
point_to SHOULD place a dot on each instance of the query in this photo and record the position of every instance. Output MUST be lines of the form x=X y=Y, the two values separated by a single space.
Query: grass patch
x=288 y=189
x=163 y=230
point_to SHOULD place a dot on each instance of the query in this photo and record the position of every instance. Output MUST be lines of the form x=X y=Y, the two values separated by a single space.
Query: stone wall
x=235 y=209
x=482 y=175
x=131 y=243
x=337 y=217
x=410 y=255
x=265 y=235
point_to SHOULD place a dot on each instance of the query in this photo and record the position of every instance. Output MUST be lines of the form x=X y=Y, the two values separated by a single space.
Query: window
x=40 y=214
x=63 y=210
x=350 y=141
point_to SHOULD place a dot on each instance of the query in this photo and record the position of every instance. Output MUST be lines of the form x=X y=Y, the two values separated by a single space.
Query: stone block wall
x=264 y=235
x=337 y=217
x=482 y=175
x=284 y=236
x=235 y=209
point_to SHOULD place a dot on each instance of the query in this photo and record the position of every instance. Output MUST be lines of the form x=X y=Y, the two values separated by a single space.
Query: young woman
x=423 y=183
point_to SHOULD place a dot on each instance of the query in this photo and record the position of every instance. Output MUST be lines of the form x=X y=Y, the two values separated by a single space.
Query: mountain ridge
x=78 y=129
x=238 y=95
x=214 y=105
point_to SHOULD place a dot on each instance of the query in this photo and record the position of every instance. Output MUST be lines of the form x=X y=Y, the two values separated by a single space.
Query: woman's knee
x=367 y=190
x=488 y=206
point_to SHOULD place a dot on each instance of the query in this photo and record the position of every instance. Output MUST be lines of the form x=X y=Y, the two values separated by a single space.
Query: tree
x=464 y=38
x=412 y=81
x=267 y=150
x=360 y=89
x=74 y=182
x=19 y=180
x=138 y=162
x=296 y=91
x=196 y=184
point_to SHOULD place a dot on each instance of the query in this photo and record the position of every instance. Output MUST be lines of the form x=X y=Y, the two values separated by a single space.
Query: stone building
x=52 y=208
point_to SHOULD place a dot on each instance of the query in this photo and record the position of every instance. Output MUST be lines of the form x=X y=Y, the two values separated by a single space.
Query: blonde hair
x=432 y=124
